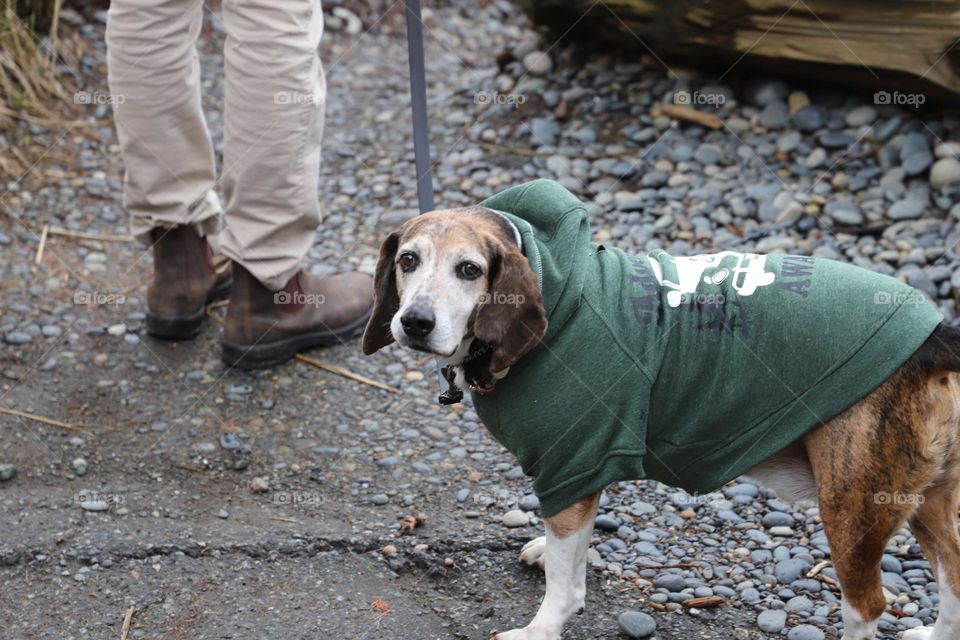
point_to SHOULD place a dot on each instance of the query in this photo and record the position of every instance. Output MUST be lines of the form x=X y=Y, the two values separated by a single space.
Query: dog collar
x=475 y=367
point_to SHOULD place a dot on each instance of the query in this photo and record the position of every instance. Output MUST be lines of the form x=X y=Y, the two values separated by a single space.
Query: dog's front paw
x=920 y=633
x=534 y=552
x=528 y=633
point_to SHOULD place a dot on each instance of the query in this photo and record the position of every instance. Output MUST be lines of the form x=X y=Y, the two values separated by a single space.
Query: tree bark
x=887 y=45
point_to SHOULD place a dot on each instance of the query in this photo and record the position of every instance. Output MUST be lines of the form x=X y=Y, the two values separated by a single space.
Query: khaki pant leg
x=273 y=124
x=154 y=78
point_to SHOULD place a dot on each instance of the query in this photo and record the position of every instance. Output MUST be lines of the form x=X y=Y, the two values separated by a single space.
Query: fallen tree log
x=883 y=44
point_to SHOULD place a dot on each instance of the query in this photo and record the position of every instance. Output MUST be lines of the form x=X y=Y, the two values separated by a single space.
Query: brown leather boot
x=186 y=276
x=264 y=328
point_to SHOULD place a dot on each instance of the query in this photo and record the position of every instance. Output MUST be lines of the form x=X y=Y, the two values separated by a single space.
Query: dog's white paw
x=920 y=633
x=528 y=633
x=534 y=552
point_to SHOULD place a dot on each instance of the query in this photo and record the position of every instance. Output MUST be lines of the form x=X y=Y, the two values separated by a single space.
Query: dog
x=484 y=289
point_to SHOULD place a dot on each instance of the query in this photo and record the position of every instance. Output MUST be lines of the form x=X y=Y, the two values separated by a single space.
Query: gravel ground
x=226 y=505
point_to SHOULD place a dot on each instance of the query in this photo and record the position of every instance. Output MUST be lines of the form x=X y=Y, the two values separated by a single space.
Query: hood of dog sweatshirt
x=686 y=370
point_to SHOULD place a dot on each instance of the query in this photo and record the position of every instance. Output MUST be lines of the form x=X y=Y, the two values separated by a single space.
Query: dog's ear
x=386 y=299
x=511 y=317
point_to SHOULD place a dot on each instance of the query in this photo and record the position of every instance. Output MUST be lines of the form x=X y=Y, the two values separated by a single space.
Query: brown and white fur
x=436 y=277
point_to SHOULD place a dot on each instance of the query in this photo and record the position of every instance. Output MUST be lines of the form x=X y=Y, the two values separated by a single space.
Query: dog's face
x=449 y=275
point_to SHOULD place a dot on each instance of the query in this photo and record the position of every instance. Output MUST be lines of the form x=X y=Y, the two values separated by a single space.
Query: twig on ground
x=82 y=235
x=284 y=519
x=689 y=114
x=817 y=569
x=125 y=628
x=346 y=373
x=43 y=243
x=705 y=601
x=537 y=153
x=816 y=573
x=52 y=422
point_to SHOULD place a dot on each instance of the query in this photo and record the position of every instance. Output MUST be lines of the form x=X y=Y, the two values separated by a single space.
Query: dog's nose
x=418 y=322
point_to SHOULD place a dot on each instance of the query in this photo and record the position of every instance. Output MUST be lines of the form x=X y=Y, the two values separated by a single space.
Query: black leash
x=421 y=141
x=418 y=99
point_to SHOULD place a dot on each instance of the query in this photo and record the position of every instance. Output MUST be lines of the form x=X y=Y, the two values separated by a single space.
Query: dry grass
x=38 y=58
x=31 y=88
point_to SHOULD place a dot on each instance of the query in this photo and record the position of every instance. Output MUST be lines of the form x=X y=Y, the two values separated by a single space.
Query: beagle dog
x=435 y=279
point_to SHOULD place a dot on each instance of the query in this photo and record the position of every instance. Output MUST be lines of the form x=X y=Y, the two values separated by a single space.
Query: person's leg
x=154 y=77
x=273 y=122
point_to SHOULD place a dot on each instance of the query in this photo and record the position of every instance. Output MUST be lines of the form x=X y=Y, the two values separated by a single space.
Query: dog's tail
x=941 y=351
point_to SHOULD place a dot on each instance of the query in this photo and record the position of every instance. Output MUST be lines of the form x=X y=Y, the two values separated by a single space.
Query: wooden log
x=887 y=45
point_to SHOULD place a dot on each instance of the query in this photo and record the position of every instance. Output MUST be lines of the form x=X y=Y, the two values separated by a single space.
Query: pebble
x=94 y=505
x=80 y=466
x=844 y=212
x=229 y=441
x=538 y=63
x=805 y=632
x=775 y=115
x=835 y=140
x=808 y=119
x=636 y=624
x=861 y=116
x=18 y=338
x=515 y=518
x=670 y=582
x=772 y=621
x=7 y=472
x=789 y=141
x=789 y=570
x=917 y=163
x=259 y=485
x=906 y=210
x=117 y=329
x=945 y=173
x=529 y=502
x=606 y=523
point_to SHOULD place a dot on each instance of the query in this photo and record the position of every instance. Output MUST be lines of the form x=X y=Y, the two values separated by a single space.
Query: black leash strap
x=421 y=141
x=418 y=99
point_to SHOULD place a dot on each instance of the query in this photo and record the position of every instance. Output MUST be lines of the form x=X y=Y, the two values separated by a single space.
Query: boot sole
x=185 y=327
x=265 y=355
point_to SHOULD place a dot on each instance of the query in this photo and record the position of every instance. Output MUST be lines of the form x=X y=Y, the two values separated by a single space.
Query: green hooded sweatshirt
x=687 y=370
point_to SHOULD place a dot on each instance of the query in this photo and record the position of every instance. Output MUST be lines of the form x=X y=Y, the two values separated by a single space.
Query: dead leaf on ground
x=380 y=605
x=706 y=601
x=408 y=524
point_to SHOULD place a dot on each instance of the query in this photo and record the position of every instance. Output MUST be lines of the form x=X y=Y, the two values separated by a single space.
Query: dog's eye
x=469 y=271
x=407 y=261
